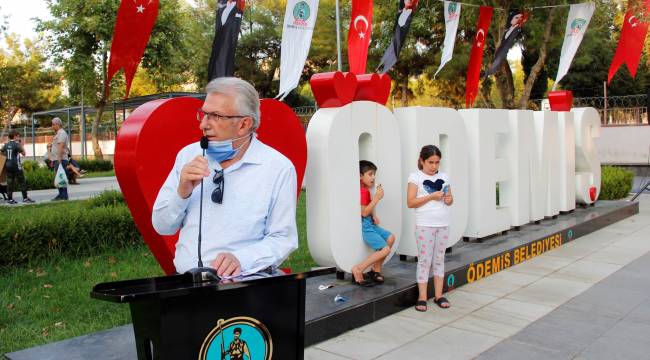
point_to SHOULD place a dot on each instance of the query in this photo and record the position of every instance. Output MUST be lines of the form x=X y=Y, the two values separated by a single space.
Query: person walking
x=60 y=153
x=15 y=175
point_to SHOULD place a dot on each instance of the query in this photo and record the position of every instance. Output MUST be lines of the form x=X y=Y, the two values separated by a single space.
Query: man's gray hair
x=57 y=121
x=247 y=99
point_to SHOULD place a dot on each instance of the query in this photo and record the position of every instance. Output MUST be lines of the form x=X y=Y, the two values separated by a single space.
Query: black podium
x=175 y=318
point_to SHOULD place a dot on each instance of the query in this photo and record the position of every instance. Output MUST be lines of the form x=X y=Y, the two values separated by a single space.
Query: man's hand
x=191 y=175
x=226 y=264
x=375 y=219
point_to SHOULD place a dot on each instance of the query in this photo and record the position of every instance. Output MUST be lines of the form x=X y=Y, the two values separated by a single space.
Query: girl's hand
x=448 y=199
x=375 y=219
x=437 y=196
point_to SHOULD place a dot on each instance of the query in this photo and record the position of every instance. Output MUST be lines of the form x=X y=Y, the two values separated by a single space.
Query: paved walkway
x=87 y=187
x=589 y=299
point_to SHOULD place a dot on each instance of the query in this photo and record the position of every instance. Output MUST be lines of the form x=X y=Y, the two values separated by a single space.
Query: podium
x=175 y=318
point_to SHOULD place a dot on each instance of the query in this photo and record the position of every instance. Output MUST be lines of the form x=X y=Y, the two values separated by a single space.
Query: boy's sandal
x=376 y=276
x=441 y=301
x=420 y=304
x=363 y=283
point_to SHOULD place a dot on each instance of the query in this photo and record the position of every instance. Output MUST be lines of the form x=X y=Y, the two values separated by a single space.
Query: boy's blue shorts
x=373 y=235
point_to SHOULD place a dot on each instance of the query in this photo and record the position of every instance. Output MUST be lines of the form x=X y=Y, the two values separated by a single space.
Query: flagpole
x=338 y=36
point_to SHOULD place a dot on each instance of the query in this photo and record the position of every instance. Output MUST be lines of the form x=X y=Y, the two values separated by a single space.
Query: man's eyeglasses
x=214 y=116
x=217 y=193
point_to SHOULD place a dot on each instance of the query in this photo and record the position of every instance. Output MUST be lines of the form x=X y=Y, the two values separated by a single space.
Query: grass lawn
x=50 y=301
x=99 y=174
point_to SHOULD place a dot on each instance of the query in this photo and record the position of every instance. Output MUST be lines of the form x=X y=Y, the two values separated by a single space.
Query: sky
x=20 y=14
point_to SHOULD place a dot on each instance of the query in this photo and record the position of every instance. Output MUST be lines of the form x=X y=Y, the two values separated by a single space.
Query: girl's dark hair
x=427 y=152
x=365 y=166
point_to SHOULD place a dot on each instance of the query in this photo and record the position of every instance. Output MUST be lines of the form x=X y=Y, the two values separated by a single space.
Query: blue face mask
x=223 y=150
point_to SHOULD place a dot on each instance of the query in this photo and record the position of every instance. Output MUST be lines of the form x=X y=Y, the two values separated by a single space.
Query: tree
x=589 y=69
x=418 y=52
x=3 y=23
x=25 y=84
x=80 y=37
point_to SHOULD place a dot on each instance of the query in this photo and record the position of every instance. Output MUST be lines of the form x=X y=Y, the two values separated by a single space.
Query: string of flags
x=300 y=20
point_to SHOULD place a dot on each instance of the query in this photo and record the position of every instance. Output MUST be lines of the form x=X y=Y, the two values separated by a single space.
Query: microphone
x=201 y=273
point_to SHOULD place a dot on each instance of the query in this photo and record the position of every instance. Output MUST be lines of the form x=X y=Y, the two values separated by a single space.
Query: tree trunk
x=405 y=89
x=100 y=111
x=537 y=68
x=506 y=85
x=486 y=86
x=12 y=112
x=503 y=76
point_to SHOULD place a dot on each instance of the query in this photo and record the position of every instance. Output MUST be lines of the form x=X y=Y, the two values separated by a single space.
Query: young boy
x=15 y=176
x=377 y=238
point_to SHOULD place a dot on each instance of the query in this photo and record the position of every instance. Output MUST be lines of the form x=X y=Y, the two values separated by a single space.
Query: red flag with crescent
x=359 y=35
x=135 y=19
x=476 y=56
x=633 y=34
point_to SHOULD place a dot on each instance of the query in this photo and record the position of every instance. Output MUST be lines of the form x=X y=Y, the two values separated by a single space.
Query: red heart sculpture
x=282 y=130
x=367 y=87
x=592 y=193
x=373 y=87
x=333 y=89
x=561 y=100
x=384 y=89
x=150 y=138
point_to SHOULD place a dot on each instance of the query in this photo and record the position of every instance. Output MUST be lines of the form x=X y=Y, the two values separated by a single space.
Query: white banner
x=452 y=15
x=299 y=22
x=576 y=26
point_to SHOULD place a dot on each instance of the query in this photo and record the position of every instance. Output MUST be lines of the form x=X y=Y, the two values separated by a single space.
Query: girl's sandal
x=420 y=304
x=442 y=302
x=376 y=277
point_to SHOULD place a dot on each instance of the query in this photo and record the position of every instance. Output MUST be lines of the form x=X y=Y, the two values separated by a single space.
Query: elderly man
x=249 y=202
x=60 y=153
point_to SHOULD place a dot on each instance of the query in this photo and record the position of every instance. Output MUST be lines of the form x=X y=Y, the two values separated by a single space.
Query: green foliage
x=95 y=165
x=39 y=178
x=616 y=183
x=80 y=34
x=591 y=64
x=30 y=165
x=106 y=198
x=71 y=229
x=26 y=84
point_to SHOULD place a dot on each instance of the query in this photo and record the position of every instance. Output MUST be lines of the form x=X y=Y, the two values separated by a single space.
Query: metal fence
x=614 y=110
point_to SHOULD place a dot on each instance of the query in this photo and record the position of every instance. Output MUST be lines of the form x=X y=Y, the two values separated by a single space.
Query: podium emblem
x=237 y=338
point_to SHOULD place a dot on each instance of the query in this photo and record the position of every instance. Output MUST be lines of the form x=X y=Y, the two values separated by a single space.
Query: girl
x=430 y=195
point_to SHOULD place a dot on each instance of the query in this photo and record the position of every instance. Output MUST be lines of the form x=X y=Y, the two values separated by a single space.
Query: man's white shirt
x=256 y=220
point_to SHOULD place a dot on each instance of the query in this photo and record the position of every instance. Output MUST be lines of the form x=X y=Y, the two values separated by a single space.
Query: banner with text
x=576 y=26
x=299 y=22
x=452 y=16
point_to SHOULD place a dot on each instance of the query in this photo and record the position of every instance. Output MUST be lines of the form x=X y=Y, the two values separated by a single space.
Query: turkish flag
x=633 y=34
x=359 y=35
x=476 y=56
x=135 y=19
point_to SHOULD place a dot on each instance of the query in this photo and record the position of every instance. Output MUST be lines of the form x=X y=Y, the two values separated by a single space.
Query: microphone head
x=204 y=142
